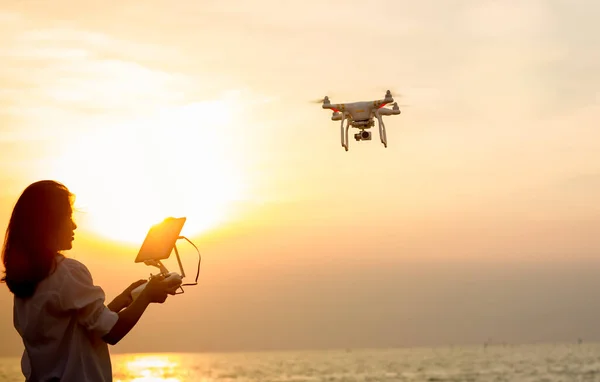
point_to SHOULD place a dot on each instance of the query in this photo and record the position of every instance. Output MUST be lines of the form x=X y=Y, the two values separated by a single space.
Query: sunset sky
x=479 y=220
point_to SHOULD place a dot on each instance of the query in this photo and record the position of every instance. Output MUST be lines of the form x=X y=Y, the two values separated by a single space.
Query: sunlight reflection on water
x=149 y=368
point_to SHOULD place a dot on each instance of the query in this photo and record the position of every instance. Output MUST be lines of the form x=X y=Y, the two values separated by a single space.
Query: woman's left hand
x=124 y=299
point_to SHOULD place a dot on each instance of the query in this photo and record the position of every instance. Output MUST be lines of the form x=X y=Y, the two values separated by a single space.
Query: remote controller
x=168 y=277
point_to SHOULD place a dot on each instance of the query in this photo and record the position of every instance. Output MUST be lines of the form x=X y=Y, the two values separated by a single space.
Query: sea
x=526 y=363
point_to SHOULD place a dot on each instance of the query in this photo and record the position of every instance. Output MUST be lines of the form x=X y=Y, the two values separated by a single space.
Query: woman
x=58 y=311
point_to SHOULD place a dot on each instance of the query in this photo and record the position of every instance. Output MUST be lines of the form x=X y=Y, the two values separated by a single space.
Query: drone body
x=361 y=115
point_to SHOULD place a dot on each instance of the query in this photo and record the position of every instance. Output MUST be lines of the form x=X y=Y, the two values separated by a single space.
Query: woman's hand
x=124 y=299
x=158 y=289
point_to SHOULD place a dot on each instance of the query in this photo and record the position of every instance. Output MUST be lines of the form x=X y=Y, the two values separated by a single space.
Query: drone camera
x=363 y=136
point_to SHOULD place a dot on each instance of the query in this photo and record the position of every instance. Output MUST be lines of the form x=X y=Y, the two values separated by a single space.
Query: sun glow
x=153 y=368
x=130 y=175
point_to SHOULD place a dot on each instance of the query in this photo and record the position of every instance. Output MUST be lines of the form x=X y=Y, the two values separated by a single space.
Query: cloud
x=53 y=78
x=78 y=70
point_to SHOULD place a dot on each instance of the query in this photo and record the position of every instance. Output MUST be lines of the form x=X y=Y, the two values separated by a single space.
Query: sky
x=477 y=222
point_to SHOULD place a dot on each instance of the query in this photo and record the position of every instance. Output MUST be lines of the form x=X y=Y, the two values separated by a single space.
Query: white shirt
x=62 y=326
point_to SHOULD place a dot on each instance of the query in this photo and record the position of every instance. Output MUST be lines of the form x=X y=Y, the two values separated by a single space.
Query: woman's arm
x=128 y=318
x=118 y=304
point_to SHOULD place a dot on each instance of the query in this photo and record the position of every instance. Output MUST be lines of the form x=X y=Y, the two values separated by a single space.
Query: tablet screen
x=160 y=240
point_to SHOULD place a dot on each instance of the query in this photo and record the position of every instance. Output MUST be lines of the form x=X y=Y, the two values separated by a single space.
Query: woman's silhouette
x=59 y=313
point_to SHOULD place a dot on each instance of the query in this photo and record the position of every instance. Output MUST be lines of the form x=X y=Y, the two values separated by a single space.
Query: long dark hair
x=29 y=251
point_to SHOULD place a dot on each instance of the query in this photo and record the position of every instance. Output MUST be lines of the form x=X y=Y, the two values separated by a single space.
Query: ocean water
x=527 y=363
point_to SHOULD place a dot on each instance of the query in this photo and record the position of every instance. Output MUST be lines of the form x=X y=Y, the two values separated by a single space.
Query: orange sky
x=147 y=110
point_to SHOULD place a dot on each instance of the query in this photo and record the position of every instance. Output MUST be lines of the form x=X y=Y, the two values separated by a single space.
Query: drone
x=360 y=115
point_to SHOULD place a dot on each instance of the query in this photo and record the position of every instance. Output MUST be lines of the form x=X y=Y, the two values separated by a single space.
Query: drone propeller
x=396 y=106
x=393 y=92
x=321 y=100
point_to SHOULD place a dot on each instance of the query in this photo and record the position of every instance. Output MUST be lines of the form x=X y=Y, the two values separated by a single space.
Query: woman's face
x=65 y=233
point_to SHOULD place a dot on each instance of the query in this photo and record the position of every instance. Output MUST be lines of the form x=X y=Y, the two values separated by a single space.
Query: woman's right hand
x=157 y=290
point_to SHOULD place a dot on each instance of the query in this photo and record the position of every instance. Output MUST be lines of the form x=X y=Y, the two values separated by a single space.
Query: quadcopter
x=360 y=115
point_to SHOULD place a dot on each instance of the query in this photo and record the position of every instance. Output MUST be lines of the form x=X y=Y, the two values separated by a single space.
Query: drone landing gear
x=344 y=133
x=382 y=134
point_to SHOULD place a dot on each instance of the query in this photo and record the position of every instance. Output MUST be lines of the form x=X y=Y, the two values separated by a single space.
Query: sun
x=129 y=175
